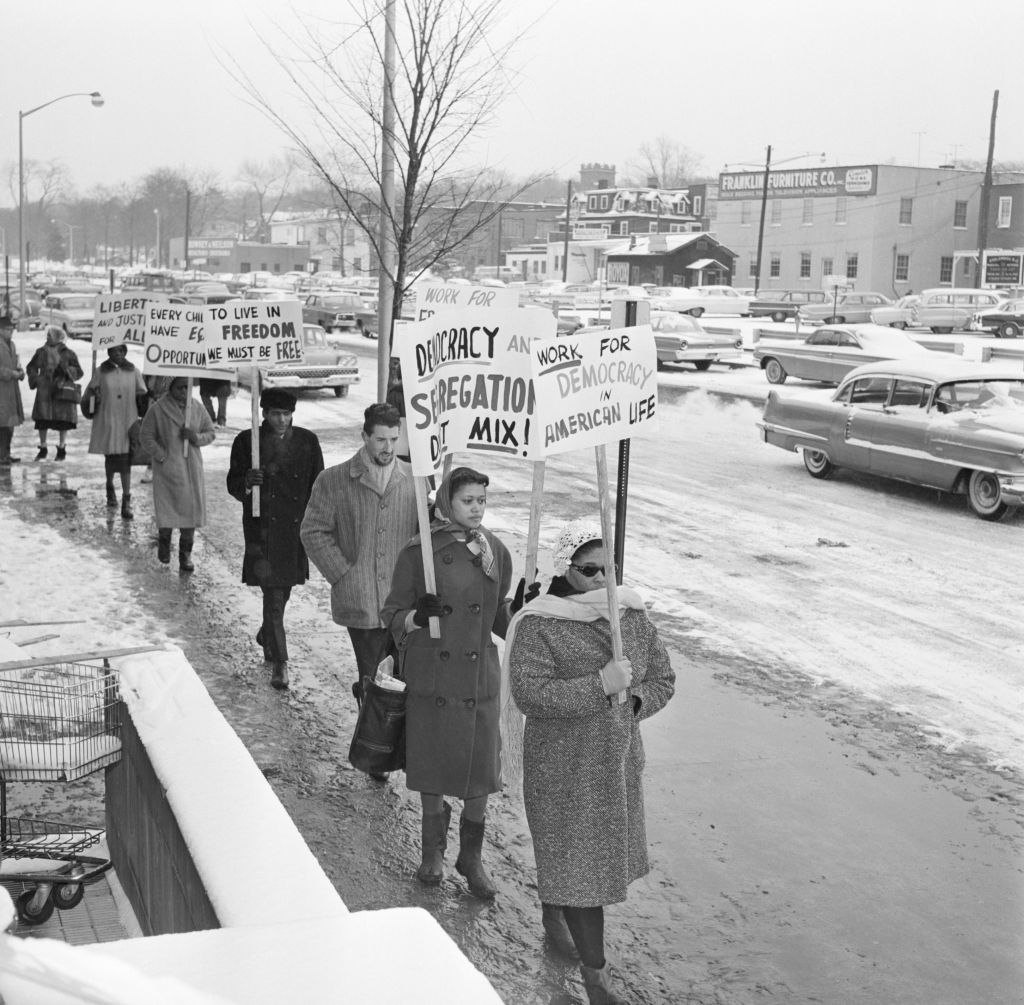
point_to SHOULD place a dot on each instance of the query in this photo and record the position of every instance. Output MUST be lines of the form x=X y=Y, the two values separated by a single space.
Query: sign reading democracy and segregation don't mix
x=119 y=319
x=466 y=380
x=262 y=333
x=595 y=388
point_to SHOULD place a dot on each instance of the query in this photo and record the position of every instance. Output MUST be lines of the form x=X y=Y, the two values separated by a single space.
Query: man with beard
x=359 y=516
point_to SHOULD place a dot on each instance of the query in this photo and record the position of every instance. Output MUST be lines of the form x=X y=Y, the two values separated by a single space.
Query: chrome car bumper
x=1012 y=489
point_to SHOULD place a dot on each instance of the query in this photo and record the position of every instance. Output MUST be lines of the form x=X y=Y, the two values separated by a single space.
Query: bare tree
x=667 y=160
x=449 y=80
x=46 y=183
x=270 y=182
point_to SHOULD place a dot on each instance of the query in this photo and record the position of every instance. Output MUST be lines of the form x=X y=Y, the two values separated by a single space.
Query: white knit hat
x=570 y=539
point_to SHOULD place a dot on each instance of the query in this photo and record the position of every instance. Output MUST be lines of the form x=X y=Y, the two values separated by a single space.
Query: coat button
x=444 y=654
x=447 y=559
x=383 y=505
x=440 y=701
x=475 y=608
x=472 y=656
x=446 y=609
x=478 y=560
x=469 y=702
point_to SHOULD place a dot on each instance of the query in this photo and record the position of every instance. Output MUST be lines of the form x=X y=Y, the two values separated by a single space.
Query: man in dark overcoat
x=275 y=560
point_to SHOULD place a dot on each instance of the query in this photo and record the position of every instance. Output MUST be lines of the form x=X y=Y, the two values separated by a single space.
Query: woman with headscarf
x=52 y=363
x=452 y=738
x=179 y=487
x=583 y=757
x=115 y=387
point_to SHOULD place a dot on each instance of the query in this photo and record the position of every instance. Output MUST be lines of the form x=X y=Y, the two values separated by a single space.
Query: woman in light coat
x=12 y=412
x=115 y=387
x=51 y=362
x=179 y=488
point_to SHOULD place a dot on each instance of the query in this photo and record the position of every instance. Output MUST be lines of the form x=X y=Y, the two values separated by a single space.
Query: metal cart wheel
x=31 y=913
x=68 y=895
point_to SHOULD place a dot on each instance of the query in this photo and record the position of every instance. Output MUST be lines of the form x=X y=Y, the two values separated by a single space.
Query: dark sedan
x=781 y=305
x=1004 y=321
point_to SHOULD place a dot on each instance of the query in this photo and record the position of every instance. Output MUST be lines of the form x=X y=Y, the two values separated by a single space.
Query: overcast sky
x=865 y=82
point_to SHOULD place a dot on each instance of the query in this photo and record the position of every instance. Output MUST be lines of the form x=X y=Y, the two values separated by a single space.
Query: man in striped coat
x=358 y=518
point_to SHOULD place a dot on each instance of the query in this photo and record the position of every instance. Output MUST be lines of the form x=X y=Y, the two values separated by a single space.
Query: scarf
x=476 y=540
x=379 y=474
x=582 y=607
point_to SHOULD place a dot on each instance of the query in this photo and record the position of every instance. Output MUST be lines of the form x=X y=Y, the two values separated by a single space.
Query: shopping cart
x=58 y=722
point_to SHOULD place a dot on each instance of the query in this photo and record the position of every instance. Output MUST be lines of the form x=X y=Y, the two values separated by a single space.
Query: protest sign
x=594 y=388
x=119 y=319
x=434 y=297
x=264 y=333
x=176 y=341
x=466 y=381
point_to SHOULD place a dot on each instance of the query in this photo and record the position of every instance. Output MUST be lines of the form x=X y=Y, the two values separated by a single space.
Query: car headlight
x=683 y=343
x=738 y=343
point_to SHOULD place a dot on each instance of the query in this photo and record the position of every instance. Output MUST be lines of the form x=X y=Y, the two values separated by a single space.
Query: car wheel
x=818 y=465
x=340 y=392
x=1009 y=330
x=779 y=316
x=702 y=364
x=899 y=324
x=696 y=312
x=835 y=319
x=774 y=371
x=942 y=330
x=985 y=495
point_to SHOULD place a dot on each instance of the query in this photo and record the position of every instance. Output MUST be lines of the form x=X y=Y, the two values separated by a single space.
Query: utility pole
x=565 y=250
x=760 y=229
x=386 y=280
x=986 y=195
x=188 y=216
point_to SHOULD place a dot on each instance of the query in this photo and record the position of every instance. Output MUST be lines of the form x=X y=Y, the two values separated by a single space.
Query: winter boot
x=557 y=931
x=41 y=454
x=434 y=842
x=599 y=992
x=62 y=453
x=279 y=675
x=469 y=862
x=185 y=550
x=111 y=496
x=163 y=546
x=127 y=513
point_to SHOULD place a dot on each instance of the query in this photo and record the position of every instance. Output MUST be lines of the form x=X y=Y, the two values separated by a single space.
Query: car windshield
x=338 y=302
x=980 y=394
x=677 y=323
x=78 y=303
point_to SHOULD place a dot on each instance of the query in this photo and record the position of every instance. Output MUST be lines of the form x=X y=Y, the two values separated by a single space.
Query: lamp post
x=71 y=237
x=97 y=101
x=156 y=212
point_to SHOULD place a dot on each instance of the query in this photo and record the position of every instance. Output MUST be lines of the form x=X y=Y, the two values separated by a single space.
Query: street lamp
x=71 y=237
x=156 y=212
x=97 y=101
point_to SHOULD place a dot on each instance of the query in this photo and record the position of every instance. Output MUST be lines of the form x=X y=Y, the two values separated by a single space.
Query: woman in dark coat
x=452 y=738
x=275 y=560
x=51 y=362
x=583 y=756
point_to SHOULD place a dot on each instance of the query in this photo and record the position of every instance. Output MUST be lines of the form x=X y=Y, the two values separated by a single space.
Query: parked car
x=681 y=338
x=938 y=422
x=11 y=297
x=781 y=305
x=897 y=315
x=848 y=308
x=829 y=354
x=1005 y=321
x=264 y=293
x=947 y=308
x=205 y=293
x=72 y=311
x=323 y=365
x=698 y=300
x=332 y=311
x=154 y=284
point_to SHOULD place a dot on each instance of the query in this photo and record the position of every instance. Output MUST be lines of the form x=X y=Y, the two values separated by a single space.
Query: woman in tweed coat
x=583 y=757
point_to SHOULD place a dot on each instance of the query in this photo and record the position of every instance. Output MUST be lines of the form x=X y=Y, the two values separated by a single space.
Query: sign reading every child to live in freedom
x=264 y=333
x=175 y=340
x=466 y=380
x=595 y=388
x=119 y=319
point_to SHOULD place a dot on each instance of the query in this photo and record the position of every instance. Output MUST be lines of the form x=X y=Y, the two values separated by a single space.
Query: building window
x=808 y=212
x=604 y=202
x=712 y=210
x=946 y=269
x=653 y=228
x=753 y=267
x=960 y=215
x=902 y=273
x=827 y=266
x=906 y=211
x=851 y=266
x=745 y=213
x=775 y=265
x=591 y=202
x=1005 y=211
x=697 y=203
x=840 y=209
x=321 y=235
x=776 y=211
x=623 y=226
x=805 y=265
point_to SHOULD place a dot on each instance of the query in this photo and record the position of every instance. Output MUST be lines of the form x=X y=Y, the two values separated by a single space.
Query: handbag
x=140 y=456
x=378 y=741
x=90 y=402
x=66 y=390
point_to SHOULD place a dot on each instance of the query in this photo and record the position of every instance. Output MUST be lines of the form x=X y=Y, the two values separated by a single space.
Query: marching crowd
x=556 y=711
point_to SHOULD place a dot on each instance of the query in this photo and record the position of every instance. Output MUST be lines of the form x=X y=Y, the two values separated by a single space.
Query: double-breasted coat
x=583 y=756
x=117 y=410
x=47 y=363
x=12 y=412
x=179 y=488
x=452 y=743
x=274 y=555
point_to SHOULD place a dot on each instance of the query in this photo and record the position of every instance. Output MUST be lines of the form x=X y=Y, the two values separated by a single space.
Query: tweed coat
x=274 y=555
x=452 y=739
x=179 y=486
x=46 y=363
x=583 y=756
x=353 y=533
x=12 y=413
x=117 y=409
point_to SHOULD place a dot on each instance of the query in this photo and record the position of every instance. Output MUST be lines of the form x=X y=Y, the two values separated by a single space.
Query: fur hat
x=278 y=397
x=570 y=539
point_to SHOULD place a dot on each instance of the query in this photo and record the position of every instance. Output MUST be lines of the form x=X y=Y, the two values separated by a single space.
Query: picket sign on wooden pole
x=609 y=556
x=188 y=401
x=255 y=434
x=533 y=531
x=429 y=579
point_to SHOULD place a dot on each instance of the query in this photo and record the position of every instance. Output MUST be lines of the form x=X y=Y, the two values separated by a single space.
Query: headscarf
x=443 y=522
x=572 y=537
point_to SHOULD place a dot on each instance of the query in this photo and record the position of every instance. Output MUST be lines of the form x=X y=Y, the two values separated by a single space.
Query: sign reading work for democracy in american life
x=595 y=388
x=263 y=333
x=175 y=343
x=119 y=319
x=466 y=380
x=434 y=297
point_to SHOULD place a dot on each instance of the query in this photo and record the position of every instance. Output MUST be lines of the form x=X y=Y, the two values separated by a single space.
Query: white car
x=323 y=365
x=698 y=300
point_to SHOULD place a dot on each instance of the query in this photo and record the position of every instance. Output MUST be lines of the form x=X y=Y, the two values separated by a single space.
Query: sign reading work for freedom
x=434 y=297
x=466 y=380
x=119 y=319
x=594 y=388
x=266 y=333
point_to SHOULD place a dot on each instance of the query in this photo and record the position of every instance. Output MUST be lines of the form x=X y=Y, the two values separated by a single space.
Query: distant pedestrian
x=179 y=487
x=12 y=412
x=209 y=389
x=275 y=561
x=113 y=395
x=51 y=363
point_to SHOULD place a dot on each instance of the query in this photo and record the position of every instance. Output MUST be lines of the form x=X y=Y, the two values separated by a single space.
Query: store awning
x=703 y=263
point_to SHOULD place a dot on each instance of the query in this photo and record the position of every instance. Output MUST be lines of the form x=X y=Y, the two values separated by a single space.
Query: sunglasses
x=588 y=571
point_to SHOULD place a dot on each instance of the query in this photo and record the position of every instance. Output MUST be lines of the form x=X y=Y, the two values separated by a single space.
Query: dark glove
x=523 y=595
x=254 y=476
x=428 y=606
